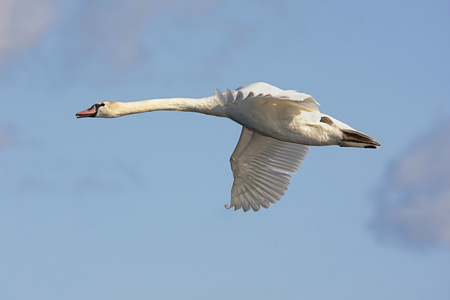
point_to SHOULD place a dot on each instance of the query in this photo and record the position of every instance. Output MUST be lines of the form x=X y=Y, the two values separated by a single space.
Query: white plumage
x=279 y=126
x=261 y=167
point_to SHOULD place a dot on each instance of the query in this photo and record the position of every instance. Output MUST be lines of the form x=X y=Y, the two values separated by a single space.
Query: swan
x=278 y=128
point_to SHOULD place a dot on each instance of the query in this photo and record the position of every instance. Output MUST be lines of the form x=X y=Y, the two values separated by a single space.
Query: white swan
x=278 y=128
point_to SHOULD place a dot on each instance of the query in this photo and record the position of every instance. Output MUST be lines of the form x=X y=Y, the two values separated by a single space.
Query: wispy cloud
x=413 y=204
x=22 y=24
x=111 y=32
x=7 y=137
x=107 y=31
x=71 y=40
x=114 y=29
x=50 y=174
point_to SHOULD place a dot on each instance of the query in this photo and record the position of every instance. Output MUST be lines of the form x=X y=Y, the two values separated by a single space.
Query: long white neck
x=209 y=105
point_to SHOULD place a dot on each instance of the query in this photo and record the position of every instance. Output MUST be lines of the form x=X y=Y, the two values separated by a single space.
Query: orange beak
x=90 y=112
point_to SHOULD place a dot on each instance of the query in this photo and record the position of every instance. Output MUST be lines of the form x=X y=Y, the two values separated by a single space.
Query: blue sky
x=132 y=208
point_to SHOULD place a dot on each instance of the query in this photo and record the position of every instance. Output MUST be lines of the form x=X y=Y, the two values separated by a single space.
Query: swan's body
x=278 y=129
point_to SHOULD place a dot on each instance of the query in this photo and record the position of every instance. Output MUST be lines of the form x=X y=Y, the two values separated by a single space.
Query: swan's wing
x=261 y=167
x=265 y=91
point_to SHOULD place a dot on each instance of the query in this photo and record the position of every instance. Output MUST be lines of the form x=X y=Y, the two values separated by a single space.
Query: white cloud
x=413 y=205
x=108 y=31
x=22 y=24
x=69 y=40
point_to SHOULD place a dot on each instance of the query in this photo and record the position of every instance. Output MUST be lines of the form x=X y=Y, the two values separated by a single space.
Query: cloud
x=81 y=31
x=112 y=32
x=65 y=41
x=43 y=173
x=22 y=24
x=413 y=204
x=7 y=138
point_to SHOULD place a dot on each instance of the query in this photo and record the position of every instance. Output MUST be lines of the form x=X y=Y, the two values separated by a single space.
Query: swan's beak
x=90 y=112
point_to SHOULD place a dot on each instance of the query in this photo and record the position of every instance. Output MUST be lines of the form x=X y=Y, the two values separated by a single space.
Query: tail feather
x=353 y=138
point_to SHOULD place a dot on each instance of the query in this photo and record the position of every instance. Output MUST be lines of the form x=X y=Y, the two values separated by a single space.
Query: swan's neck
x=208 y=105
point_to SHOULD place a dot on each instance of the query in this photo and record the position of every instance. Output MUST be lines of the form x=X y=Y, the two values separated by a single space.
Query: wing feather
x=262 y=90
x=261 y=167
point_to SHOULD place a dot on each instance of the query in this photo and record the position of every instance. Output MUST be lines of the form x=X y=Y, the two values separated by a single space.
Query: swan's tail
x=353 y=138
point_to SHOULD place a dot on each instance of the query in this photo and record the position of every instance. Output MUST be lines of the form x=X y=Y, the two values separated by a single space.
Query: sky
x=133 y=207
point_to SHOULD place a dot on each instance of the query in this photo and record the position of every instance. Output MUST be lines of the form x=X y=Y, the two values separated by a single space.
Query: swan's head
x=104 y=109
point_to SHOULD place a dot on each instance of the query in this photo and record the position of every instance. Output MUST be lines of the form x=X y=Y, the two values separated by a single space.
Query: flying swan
x=278 y=128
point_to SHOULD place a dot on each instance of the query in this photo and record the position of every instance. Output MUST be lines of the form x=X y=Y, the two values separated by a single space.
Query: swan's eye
x=97 y=105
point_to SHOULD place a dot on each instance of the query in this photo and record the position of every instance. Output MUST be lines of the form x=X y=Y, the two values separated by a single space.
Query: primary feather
x=261 y=167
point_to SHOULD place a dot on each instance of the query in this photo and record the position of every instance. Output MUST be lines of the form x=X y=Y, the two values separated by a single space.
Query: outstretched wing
x=262 y=91
x=261 y=167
